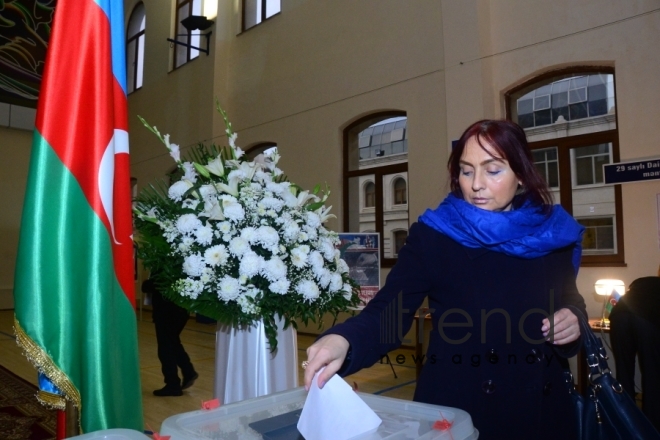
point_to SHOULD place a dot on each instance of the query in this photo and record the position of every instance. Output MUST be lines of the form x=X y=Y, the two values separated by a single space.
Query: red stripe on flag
x=77 y=117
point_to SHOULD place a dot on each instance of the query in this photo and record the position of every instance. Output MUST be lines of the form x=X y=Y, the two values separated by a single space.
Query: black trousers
x=170 y=320
x=631 y=336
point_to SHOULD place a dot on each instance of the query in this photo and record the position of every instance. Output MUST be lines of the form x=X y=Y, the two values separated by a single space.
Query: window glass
x=184 y=54
x=570 y=157
x=400 y=192
x=256 y=11
x=135 y=48
x=565 y=99
x=399 y=240
x=375 y=179
x=369 y=195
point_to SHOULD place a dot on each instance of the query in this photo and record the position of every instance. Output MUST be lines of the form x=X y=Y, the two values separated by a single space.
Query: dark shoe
x=168 y=391
x=189 y=381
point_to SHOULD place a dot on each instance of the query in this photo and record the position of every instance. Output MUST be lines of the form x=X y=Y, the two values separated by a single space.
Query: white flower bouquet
x=234 y=240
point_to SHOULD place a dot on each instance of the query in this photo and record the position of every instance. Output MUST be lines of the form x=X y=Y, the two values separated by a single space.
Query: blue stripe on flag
x=114 y=10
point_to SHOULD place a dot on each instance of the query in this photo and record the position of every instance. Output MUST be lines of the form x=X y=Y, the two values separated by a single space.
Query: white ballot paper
x=335 y=412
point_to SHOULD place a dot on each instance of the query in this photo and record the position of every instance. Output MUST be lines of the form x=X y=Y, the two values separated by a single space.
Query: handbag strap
x=593 y=346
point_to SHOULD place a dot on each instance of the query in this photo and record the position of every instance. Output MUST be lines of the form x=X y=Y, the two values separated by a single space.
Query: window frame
x=564 y=144
x=263 y=14
x=378 y=172
x=177 y=22
x=395 y=191
x=136 y=38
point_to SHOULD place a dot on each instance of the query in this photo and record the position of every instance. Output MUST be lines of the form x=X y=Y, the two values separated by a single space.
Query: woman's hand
x=329 y=352
x=567 y=327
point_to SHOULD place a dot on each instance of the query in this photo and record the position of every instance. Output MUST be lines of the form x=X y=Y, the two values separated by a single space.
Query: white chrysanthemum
x=190 y=203
x=236 y=175
x=303 y=237
x=280 y=286
x=216 y=255
x=278 y=188
x=251 y=264
x=193 y=265
x=204 y=235
x=232 y=209
x=290 y=231
x=238 y=246
x=268 y=237
x=316 y=260
x=228 y=288
x=185 y=244
x=308 y=289
x=272 y=203
x=207 y=275
x=274 y=269
x=342 y=267
x=313 y=220
x=208 y=192
x=188 y=223
x=189 y=172
x=324 y=276
x=299 y=255
x=336 y=283
x=178 y=189
x=327 y=249
x=224 y=227
x=347 y=291
x=312 y=233
x=249 y=234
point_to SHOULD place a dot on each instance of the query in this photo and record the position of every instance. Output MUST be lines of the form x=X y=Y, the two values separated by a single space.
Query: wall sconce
x=194 y=22
x=613 y=289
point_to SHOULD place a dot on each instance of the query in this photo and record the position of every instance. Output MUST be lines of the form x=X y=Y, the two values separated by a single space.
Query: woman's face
x=486 y=181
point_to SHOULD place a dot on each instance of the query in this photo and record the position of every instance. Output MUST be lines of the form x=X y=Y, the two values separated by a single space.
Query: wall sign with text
x=638 y=171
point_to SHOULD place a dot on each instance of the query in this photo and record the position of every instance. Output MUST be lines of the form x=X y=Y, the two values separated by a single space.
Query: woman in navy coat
x=497 y=262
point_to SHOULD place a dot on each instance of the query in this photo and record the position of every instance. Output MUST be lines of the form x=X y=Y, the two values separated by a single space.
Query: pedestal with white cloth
x=245 y=367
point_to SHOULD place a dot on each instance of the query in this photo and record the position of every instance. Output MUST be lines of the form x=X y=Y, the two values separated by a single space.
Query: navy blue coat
x=486 y=352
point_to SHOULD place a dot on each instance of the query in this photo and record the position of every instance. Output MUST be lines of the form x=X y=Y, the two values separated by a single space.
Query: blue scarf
x=525 y=232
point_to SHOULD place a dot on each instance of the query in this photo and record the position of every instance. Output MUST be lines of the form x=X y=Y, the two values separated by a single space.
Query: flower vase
x=245 y=367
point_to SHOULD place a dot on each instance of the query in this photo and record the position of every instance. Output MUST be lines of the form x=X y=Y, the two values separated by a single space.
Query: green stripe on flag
x=68 y=300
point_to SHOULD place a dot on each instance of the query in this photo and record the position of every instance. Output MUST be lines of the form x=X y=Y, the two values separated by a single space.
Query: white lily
x=212 y=210
x=230 y=188
x=305 y=196
x=216 y=167
x=323 y=213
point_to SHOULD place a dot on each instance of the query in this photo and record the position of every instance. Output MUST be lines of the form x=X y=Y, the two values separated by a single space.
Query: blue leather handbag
x=606 y=412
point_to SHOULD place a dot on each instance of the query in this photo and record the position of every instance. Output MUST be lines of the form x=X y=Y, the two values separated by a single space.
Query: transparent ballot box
x=274 y=417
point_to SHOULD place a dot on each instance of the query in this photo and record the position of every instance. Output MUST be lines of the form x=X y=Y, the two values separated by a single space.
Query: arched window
x=183 y=54
x=399 y=240
x=569 y=117
x=369 y=195
x=375 y=151
x=400 y=191
x=135 y=48
x=257 y=149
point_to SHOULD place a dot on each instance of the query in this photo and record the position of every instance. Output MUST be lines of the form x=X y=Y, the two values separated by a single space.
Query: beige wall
x=15 y=146
x=299 y=78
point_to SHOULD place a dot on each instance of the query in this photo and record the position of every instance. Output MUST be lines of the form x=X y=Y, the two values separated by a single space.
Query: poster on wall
x=361 y=253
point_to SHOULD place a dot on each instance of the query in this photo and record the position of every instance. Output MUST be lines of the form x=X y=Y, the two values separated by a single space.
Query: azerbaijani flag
x=74 y=285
